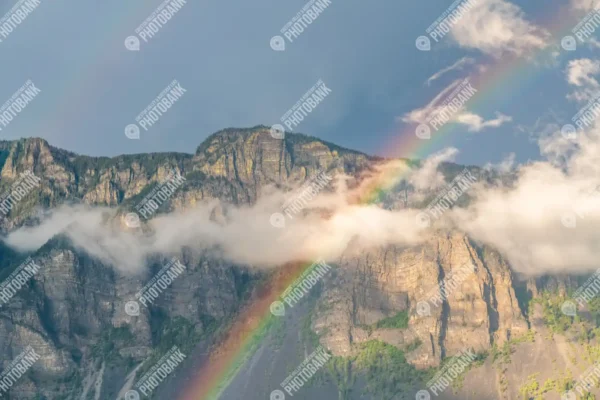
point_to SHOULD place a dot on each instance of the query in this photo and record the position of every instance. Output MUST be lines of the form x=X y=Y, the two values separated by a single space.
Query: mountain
x=365 y=312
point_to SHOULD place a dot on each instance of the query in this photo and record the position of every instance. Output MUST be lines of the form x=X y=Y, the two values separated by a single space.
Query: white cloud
x=240 y=234
x=580 y=73
x=476 y=123
x=505 y=166
x=525 y=220
x=422 y=115
x=458 y=66
x=496 y=27
x=428 y=177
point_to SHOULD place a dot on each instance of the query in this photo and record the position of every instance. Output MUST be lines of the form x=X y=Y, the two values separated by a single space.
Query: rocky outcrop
x=477 y=308
x=73 y=315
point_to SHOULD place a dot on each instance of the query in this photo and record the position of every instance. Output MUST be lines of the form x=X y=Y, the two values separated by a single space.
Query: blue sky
x=92 y=87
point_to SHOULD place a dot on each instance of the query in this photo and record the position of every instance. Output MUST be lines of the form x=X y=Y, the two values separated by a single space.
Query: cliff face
x=232 y=165
x=73 y=315
x=477 y=308
x=73 y=311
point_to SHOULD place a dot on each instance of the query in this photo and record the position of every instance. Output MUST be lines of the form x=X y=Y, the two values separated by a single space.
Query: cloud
x=422 y=115
x=586 y=5
x=580 y=73
x=428 y=177
x=594 y=42
x=505 y=166
x=458 y=66
x=244 y=235
x=476 y=123
x=496 y=27
x=546 y=221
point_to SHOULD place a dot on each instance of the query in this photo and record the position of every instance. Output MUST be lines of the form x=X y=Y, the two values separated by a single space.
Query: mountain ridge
x=73 y=309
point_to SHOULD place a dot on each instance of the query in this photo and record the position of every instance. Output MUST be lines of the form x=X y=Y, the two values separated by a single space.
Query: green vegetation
x=480 y=358
x=413 y=345
x=111 y=340
x=398 y=321
x=531 y=388
x=386 y=369
x=503 y=354
x=340 y=371
x=554 y=318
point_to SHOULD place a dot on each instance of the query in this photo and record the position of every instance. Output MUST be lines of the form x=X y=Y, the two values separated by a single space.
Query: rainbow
x=499 y=82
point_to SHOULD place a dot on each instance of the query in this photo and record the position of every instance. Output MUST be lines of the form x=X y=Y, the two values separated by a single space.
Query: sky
x=381 y=84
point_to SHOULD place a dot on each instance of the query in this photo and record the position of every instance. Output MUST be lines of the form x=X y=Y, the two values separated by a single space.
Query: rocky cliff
x=480 y=310
x=73 y=310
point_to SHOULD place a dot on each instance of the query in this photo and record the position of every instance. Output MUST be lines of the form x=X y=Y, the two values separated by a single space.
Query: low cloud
x=545 y=221
x=244 y=235
x=428 y=177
